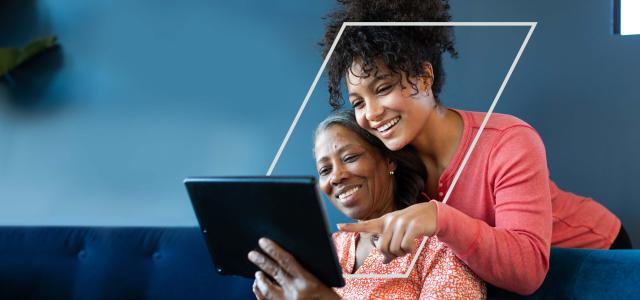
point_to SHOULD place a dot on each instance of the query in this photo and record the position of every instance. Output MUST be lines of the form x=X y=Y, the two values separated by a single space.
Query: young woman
x=364 y=180
x=505 y=212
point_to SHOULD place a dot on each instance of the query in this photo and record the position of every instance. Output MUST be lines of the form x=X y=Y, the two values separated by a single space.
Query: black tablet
x=234 y=212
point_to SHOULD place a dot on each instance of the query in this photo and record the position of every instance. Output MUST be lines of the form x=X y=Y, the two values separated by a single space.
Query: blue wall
x=144 y=93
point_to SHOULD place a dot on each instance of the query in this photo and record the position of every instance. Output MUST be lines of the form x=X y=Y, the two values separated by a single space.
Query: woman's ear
x=427 y=78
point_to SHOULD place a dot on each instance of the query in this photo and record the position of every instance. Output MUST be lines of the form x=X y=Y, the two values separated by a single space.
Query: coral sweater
x=504 y=212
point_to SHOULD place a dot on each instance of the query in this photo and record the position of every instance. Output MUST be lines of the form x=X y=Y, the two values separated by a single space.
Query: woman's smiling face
x=394 y=114
x=353 y=174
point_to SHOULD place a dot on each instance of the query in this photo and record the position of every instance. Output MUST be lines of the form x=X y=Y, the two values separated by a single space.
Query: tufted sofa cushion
x=111 y=263
x=586 y=274
x=173 y=263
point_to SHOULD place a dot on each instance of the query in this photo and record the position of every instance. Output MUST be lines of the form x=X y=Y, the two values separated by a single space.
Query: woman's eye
x=350 y=158
x=357 y=104
x=383 y=89
x=323 y=171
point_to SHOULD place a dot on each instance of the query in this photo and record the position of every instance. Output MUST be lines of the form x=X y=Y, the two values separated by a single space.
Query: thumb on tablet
x=370 y=226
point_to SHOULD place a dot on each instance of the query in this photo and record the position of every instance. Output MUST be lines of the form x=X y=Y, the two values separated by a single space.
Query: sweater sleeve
x=513 y=255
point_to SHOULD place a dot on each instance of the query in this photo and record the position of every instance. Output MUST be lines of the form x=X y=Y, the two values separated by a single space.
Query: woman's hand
x=292 y=281
x=398 y=230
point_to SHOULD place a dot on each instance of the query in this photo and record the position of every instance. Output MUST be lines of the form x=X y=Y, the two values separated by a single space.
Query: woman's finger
x=384 y=242
x=256 y=291
x=395 y=245
x=282 y=258
x=267 y=288
x=374 y=226
x=409 y=244
x=270 y=267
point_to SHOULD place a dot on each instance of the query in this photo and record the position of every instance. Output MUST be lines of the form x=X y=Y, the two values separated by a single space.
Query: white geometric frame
x=531 y=25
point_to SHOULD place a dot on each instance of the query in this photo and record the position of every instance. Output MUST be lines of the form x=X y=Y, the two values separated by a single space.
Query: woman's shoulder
x=496 y=121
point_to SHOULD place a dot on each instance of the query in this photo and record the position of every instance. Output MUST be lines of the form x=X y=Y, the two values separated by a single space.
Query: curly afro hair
x=403 y=49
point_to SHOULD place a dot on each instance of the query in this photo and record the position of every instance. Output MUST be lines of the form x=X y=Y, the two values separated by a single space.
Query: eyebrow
x=374 y=81
x=340 y=150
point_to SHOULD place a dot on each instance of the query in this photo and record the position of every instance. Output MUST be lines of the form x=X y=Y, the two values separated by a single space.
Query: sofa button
x=82 y=254
x=157 y=256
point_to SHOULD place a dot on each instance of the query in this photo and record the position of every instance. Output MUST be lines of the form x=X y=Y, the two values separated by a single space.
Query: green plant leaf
x=10 y=58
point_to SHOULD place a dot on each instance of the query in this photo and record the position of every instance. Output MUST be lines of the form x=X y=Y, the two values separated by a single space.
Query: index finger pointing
x=371 y=226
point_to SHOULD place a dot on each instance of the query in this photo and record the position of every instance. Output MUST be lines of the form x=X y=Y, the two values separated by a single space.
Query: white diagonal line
x=531 y=25
x=305 y=101
x=489 y=112
x=461 y=24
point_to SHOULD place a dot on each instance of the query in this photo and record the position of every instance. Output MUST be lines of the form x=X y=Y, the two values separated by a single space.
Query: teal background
x=143 y=93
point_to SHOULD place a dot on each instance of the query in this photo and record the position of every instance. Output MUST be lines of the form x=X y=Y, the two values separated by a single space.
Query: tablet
x=234 y=212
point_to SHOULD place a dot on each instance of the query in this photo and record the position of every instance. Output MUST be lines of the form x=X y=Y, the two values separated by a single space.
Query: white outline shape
x=532 y=27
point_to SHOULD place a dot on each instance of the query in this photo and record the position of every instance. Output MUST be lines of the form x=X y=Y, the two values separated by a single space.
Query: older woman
x=364 y=180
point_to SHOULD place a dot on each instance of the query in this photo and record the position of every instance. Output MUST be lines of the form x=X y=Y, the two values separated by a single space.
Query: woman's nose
x=339 y=174
x=373 y=111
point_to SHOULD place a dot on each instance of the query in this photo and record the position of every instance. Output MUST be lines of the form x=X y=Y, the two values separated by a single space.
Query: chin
x=353 y=214
x=394 y=145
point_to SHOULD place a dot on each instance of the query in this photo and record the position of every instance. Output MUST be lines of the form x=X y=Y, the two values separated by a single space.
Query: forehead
x=334 y=138
x=359 y=74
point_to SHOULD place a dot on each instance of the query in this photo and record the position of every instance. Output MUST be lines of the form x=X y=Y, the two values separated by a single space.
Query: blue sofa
x=173 y=263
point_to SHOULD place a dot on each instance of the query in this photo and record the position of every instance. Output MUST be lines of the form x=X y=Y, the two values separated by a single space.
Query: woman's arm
x=292 y=281
x=514 y=254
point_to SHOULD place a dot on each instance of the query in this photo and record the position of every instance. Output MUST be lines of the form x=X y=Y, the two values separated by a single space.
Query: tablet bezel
x=301 y=229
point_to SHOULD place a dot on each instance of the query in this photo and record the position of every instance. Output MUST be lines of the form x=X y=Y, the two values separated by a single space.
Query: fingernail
x=263 y=242
x=252 y=255
x=387 y=260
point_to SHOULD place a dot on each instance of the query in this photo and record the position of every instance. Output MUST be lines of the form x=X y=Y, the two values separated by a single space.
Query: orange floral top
x=437 y=273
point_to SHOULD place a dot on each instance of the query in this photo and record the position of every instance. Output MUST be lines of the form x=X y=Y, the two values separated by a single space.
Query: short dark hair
x=403 y=49
x=410 y=174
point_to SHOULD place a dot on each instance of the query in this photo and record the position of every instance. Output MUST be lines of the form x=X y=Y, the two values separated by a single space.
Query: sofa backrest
x=586 y=274
x=111 y=263
x=173 y=263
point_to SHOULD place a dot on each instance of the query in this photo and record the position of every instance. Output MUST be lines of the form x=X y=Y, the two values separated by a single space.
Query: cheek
x=381 y=170
x=361 y=119
x=325 y=187
x=396 y=99
x=376 y=190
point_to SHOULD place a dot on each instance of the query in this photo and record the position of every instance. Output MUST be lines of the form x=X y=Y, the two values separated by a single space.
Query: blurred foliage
x=11 y=58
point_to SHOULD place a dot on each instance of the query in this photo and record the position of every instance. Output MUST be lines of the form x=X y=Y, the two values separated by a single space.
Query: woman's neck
x=439 y=139
x=387 y=208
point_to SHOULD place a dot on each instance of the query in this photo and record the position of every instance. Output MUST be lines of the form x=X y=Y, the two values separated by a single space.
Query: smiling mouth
x=386 y=126
x=346 y=194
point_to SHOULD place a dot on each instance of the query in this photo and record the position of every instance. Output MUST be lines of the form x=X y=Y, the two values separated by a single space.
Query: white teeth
x=389 y=124
x=348 y=193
